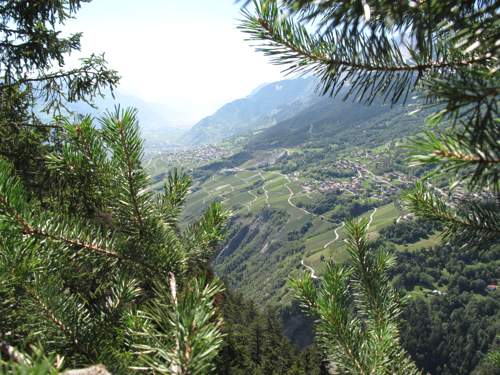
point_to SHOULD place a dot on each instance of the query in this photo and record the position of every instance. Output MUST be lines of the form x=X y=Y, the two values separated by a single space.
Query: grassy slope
x=263 y=276
x=269 y=244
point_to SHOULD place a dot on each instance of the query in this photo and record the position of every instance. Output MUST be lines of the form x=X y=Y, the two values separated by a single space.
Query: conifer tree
x=445 y=52
x=357 y=310
x=105 y=275
x=33 y=80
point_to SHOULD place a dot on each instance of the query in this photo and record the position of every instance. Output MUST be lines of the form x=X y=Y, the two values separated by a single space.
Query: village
x=192 y=157
x=363 y=182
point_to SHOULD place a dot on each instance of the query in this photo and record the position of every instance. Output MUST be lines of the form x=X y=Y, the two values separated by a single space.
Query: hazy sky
x=186 y=54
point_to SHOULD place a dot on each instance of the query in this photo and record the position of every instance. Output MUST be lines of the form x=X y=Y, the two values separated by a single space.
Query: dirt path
x=310 y=269
x=250 y=204
x=371 y=217
x=336 y=236
x=287 y=185
x=284 y=176
x=293 y=204
x=265 y=190
x=225 y=186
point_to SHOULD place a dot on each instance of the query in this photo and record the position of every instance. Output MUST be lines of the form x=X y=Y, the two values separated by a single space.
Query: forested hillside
x=338 y=123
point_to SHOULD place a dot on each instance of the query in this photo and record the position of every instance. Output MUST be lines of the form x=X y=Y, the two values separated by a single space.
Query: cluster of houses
x=199 y=155
x=489 y=288
x=381 y=187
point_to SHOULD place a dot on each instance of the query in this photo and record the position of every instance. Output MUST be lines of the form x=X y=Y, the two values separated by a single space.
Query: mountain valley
x=291 y=187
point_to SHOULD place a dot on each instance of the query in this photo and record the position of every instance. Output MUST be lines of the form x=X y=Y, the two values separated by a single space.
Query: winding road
x=336 y=236
x=293 y=204
x=371 y=217
x=254 y=198
x=265 y=190
x=290 y=202
x=310 y=269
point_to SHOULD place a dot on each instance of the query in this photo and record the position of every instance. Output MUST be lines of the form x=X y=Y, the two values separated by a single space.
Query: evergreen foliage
x=254 y=343
x=454 y=318
x=86 y=279
x=409 y=231
x=357 y=310
x=32 y=47
x=33 y=80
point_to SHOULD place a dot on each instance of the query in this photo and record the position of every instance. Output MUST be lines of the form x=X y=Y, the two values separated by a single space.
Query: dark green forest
x=446 y=333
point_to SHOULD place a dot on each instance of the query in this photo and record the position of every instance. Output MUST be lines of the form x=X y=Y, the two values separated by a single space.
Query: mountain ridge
x=266 y=105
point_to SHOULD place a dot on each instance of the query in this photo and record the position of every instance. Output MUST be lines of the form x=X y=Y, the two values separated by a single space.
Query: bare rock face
x=94 y=370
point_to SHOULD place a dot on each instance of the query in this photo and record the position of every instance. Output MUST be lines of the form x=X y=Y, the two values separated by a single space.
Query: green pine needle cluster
x=92 y=289
x=357 y=310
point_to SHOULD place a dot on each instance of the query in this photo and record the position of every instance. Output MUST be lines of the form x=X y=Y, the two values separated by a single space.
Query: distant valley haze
x=179 y=59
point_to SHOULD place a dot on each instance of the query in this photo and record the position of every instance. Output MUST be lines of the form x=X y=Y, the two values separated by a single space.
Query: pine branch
x=370 y=63
x=202 y=237
x=52 y=317
x=312 y=55
x=472 y=163
x=181 y=330
x=357 y=310
x=34 y=230
x=47 y=77
x=38 y=363
x=83 y=170
x=468 y=101
x=12 y=361
x=8 y=352
x=421 y=22
x=62 y=314
x=464 y=157
x=31 y=125
x=14 y=208
x=331 y=304
x=378 y=301
x=174 y=195
x=121 y=131
x=467 y=219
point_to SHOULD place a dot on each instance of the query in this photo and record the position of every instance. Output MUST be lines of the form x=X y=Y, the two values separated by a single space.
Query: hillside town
x=192 y=156
x=364 y=181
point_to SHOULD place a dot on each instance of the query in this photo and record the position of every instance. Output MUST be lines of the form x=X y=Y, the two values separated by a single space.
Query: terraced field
x=247 y=192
